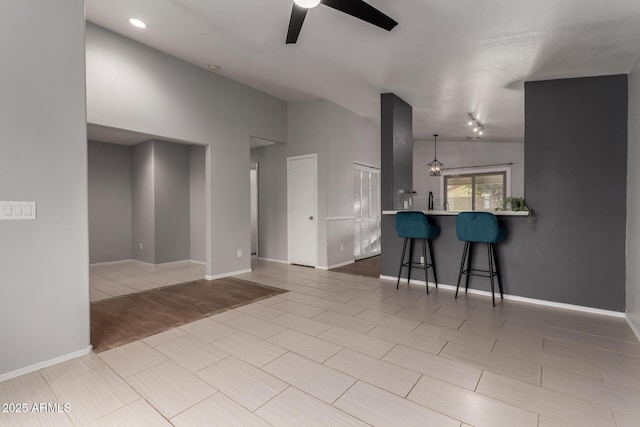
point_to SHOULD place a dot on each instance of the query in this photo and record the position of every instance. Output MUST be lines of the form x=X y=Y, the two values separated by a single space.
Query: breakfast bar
x=447 y=252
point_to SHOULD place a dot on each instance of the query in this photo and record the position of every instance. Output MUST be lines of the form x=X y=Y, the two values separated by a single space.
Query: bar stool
x=479 y=227
x=414 y=225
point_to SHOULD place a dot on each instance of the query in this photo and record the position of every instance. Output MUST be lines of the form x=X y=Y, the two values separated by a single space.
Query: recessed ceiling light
x=214 y=67
x=137 y=23
x=307 y=4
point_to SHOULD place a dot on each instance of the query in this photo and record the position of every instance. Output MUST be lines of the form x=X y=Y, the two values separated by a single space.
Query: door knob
x=311 y=217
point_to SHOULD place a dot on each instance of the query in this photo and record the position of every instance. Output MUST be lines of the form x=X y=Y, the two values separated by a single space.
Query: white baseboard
x=95 y=264
x=519 y=299
x=182 y=261
x=342 y=264
x=45 y=364
x=223 y=275
x=274 y=260
x=633 y=327
x=197 y=262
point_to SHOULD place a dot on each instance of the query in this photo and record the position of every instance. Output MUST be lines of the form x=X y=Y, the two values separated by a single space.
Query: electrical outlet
x=141 y=246
x=239 y=253
x=421 y=260
x=341 y=247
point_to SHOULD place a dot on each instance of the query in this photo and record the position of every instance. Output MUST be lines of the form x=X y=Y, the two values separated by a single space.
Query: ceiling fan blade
x=364 y=11
x=295 y=23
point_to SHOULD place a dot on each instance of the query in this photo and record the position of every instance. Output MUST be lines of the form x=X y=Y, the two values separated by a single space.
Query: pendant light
x=435 y=167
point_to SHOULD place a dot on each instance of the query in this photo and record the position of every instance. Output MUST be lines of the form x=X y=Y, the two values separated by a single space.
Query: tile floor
x=350 y=350
x=127 y=277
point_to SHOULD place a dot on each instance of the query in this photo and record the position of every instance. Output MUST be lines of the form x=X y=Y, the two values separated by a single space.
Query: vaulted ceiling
x=446 y=58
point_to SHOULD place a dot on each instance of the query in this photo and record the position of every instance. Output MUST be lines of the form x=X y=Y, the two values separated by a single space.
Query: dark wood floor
x=369 y=267
x=121 y=320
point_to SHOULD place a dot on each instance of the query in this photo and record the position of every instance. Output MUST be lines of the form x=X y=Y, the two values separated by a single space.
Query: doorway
x=302 y=210
x=366 y=211
x=147 y=211
x=253 y=179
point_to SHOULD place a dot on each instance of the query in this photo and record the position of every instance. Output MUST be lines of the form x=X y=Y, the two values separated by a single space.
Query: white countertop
x=452 y=213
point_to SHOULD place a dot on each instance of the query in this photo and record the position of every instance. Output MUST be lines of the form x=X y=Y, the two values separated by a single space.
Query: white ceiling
x=446 y=58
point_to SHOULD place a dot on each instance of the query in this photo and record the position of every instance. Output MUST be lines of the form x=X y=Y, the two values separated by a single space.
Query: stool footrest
x=417 y=265
x=478 y=272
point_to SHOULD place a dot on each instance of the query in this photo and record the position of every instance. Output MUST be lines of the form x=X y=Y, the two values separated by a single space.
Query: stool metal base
x=494 y=269
x=410 y=264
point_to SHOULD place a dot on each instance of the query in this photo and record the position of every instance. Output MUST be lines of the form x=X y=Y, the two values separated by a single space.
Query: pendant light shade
x=435 y=167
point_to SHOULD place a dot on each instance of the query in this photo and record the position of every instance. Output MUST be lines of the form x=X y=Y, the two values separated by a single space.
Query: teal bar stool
x=412 y=225
x=479 y=227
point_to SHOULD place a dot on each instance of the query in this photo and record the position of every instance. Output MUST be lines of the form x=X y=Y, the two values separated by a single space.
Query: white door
x=301 y=202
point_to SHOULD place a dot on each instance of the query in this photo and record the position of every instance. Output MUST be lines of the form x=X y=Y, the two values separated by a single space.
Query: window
x=475 y=191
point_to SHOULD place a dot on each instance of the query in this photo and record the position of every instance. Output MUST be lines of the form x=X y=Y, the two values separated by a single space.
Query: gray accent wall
x=151 y=92
x=143 y=203
x=576 y=180
x=633 y=202
x=44 y=263
x=109 y=202
x=197 y=200
x=171 y=187
x=573 y=250
x=396 y=150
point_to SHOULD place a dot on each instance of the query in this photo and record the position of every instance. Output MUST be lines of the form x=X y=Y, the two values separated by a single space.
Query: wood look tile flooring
x=121 y=320
x=369 y=267
x=321 y=355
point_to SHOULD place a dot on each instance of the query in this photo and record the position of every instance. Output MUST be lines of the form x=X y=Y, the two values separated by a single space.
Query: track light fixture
x=475 y=124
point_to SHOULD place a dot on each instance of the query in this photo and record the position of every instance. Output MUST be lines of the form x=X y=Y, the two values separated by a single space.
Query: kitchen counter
x=453 y=213
x=514 y=252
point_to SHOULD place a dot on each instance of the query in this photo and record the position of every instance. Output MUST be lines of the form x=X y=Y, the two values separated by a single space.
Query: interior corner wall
x=143 y=203
x=109 y=168
x=456 y=154
x=633 y=202
x=134 y=87
x=44 y=263
x=172 y=207
x=197 y=202
x=339 y=137
x=352 y=139
x=576 y=181
x=306 y=134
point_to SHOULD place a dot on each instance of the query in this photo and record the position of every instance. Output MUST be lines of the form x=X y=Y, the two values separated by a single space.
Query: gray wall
x=133 y=87
x=574 y=249
x=109 y=202
x=340 y=138
x=396 y=149
x=633 y=201
x=197 y=200
x=143 y=203
x=44 y=264
x=171 y=187
x=576 y=179
x=455 y=154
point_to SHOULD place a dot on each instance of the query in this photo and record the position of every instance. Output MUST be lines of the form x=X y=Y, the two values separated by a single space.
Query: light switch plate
x=17 y=210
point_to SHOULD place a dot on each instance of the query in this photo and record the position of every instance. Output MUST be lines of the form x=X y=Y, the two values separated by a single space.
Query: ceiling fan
x=356 y=8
